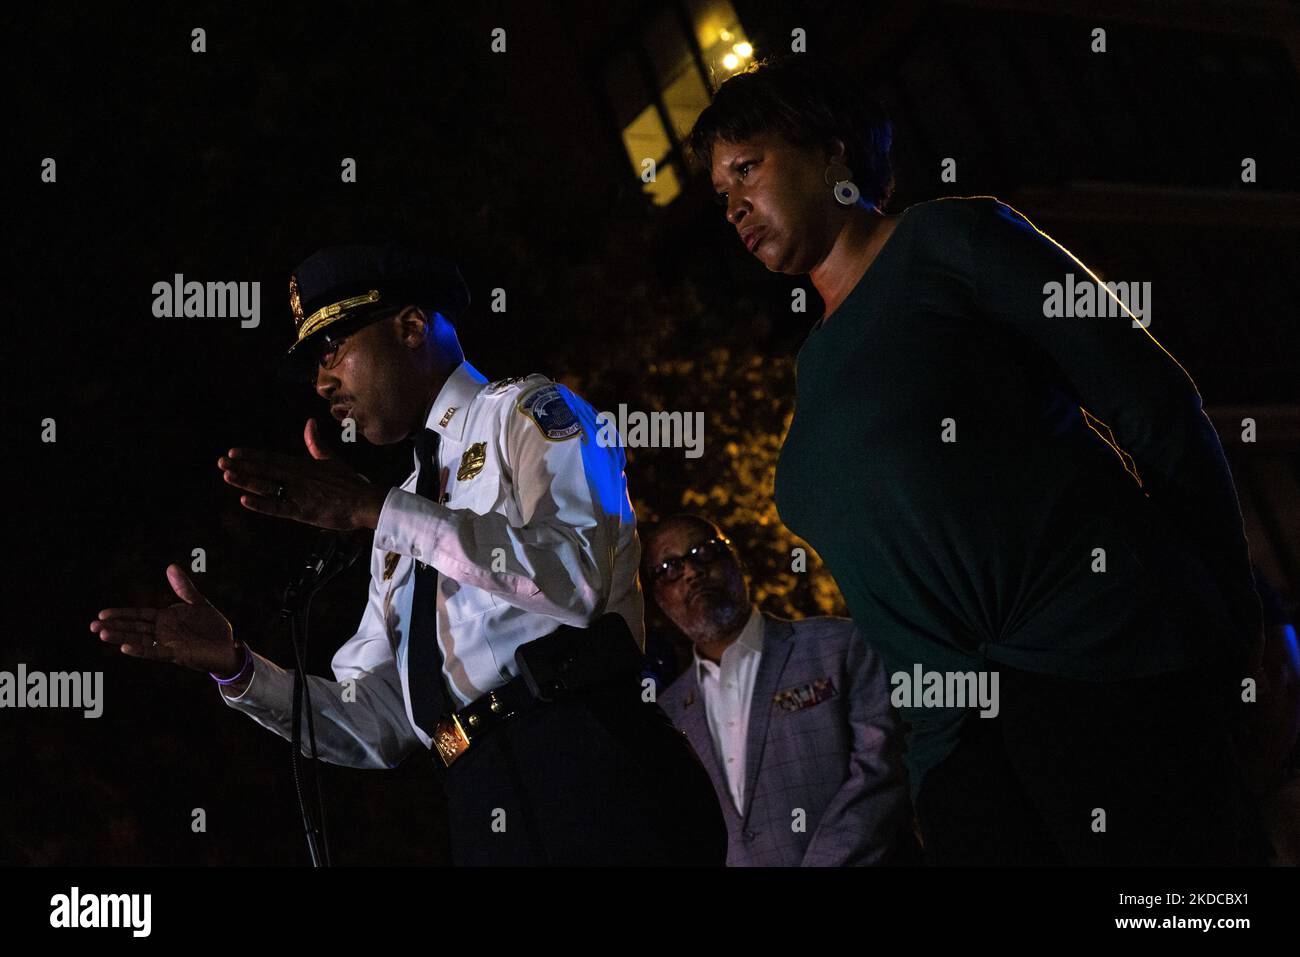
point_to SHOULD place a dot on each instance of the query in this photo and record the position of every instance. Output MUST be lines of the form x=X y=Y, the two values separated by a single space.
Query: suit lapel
x=776 y=650
x=695 y=724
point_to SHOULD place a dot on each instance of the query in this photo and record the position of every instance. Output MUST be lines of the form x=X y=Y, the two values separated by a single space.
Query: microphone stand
x=331 y=556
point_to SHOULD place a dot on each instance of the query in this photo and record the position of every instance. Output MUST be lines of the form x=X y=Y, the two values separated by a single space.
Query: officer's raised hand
x=191 y=632
x=320 y=491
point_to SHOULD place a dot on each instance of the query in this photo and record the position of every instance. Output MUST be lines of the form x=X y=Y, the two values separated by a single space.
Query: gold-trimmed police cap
x=353 y=284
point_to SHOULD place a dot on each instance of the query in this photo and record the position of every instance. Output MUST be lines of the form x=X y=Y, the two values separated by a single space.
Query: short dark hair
x=808 y=101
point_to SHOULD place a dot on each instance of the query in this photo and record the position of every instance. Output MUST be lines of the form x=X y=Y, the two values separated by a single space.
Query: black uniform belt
x=566 y=661
x=453 y=733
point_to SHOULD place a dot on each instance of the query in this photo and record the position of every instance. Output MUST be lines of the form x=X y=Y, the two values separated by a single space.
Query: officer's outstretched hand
x=191 y=632
x=320 y=491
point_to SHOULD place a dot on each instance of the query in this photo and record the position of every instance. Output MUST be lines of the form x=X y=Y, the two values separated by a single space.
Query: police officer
x=504 y=622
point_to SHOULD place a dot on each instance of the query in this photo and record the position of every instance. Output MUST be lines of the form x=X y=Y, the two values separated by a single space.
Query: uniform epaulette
x=501 y=385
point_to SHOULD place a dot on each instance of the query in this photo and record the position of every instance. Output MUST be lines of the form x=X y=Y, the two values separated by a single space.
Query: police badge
x=295 y=303
x=471 y=463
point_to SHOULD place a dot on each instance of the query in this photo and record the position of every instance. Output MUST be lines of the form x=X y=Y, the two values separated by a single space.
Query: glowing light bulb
x=731 y=61
x=744 y=49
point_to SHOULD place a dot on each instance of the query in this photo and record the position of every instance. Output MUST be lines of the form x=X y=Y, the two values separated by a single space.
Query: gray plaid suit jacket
x=822 y=737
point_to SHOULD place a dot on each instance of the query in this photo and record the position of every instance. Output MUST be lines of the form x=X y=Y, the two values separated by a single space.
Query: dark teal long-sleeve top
x=980 y=550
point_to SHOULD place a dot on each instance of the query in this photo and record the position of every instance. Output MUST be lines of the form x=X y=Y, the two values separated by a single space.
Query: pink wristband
x=243 y=671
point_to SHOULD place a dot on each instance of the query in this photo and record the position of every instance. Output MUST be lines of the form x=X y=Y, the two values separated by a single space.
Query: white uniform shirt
x=537 y=531
x=727 y=689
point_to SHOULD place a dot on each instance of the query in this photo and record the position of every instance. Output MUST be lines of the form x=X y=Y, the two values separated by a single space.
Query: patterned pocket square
x=805 y=696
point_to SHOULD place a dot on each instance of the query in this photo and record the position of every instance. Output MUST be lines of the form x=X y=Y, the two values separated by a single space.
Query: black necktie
x=430 y=699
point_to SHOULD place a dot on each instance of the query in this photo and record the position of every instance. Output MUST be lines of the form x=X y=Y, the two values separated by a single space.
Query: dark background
x=225 y=166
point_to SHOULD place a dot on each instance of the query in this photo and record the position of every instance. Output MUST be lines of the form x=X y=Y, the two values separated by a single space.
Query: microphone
x=333 y=553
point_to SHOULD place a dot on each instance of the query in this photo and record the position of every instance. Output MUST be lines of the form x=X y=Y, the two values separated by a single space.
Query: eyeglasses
x=341 y=332
x=705 y=553
x=329 y=350
x=332 y=341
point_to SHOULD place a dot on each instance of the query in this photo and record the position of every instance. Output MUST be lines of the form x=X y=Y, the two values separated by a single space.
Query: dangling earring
x=846 y=191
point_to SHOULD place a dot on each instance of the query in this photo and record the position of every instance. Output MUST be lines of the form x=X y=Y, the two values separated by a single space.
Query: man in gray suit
x=791 y=718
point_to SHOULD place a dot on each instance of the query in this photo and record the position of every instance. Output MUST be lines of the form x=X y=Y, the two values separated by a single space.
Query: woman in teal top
x=950 y=458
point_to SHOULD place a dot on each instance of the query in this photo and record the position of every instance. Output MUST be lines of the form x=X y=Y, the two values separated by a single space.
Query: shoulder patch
x=546 y=406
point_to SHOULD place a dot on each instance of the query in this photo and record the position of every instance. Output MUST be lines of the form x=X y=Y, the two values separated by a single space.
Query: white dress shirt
x=727 y=689
x=537 y=530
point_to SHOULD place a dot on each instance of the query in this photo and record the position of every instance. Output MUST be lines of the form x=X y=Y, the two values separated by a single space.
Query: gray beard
x=721 y=617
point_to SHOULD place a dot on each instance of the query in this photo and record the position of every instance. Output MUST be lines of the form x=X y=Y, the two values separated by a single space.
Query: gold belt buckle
x=450 y=739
